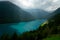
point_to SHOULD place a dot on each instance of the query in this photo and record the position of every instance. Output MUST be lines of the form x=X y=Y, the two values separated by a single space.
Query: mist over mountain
x=57 y=11
x=10 y=13
x=38 y=13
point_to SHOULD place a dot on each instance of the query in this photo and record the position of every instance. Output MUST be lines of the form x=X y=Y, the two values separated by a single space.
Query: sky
x=47 y=5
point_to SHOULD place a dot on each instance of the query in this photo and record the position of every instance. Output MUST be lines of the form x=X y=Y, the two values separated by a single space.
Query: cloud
x=55 y=0
x=51 y=5
x=47 y=5
x=26 y=3
x=3 y=0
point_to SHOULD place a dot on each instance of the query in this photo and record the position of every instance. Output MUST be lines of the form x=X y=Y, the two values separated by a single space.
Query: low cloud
x=49 y=5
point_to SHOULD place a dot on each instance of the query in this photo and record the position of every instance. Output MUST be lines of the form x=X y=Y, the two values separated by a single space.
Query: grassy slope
x=53 y=37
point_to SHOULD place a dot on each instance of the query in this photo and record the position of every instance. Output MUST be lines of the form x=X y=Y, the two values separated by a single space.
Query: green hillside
x=53 y=37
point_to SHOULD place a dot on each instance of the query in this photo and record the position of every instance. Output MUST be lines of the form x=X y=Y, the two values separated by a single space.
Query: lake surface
x=21 y=27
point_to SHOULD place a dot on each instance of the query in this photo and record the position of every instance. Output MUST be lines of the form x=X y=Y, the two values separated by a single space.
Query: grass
x=53 y=37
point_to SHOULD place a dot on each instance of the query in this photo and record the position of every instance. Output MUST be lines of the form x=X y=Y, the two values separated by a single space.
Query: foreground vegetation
x=44 y=32
x=53 y=37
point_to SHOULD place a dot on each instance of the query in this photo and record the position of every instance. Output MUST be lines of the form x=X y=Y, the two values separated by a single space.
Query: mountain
x=57 y=11
x=57 y=16
x=38 y=13
x=10 y=13
x=49 y=30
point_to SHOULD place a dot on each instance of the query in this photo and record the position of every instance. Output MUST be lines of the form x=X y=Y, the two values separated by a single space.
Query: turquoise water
x=21 y=26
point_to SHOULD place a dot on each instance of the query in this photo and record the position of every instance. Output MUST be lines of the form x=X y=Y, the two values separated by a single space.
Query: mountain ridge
x=10 y=13
x=38 y=13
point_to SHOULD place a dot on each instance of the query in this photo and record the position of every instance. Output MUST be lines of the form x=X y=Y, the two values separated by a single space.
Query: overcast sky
x=48 y=5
